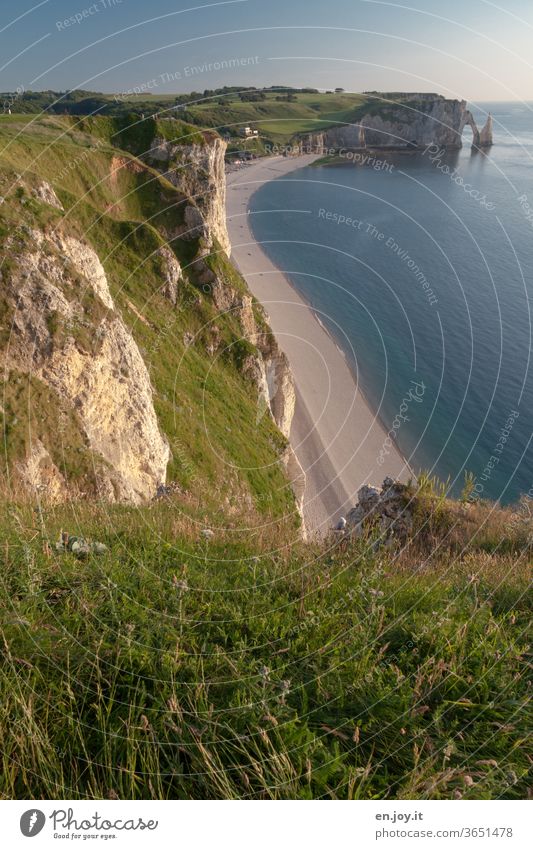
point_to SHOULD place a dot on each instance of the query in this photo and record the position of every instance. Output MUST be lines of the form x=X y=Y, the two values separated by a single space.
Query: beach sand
x=335 y=435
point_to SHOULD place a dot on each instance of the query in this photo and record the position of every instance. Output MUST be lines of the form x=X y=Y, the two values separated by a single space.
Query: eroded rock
x=105 y=380
x=172 y=274
x=40 y=475
x=198 y=170
x=86 y=262
x=387 y=510
x=426 y=119
x=45 y=193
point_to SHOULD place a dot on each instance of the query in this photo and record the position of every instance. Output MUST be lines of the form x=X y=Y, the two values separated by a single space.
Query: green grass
x=205 y=406
x=280 y=121
x=253 y=666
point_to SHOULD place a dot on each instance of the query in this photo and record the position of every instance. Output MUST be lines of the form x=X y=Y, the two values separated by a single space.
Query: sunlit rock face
x=419 y=121
x=68 y=336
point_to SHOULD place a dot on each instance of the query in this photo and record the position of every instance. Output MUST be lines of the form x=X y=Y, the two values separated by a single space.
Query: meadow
x=249 y=664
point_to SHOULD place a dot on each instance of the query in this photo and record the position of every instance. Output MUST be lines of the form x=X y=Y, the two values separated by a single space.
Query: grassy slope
x=158 y=669
x=279 y=121
x=200 y=400
x=256 y=666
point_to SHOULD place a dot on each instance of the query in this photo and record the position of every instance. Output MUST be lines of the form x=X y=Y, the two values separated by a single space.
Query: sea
x=420 y=264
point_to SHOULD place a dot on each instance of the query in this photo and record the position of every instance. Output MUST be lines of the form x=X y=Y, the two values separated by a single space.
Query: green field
x=280 y=121
x=277 y=120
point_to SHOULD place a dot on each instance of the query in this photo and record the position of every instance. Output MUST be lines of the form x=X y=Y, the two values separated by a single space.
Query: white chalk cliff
x=57 y=280
x=198 y=171
x=418 y=121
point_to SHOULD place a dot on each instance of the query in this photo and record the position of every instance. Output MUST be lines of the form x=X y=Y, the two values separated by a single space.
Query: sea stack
x=485 y=136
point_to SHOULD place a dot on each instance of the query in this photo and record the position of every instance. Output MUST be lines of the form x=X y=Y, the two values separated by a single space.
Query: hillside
x=166 y=630
x=280 y=116
x=276 y=117
x=128 y=340
x=251 y=665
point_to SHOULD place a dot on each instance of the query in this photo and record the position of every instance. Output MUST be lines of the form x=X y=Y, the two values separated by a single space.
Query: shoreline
x=335 y=434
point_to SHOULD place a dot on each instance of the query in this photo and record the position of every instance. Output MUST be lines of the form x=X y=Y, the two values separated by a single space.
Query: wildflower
x=264 y=672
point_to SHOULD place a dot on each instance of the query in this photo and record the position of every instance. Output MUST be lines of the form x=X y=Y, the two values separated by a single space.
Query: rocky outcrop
x=276 y=392
x=386 y=511
x=485 y=135
x=39 y=474
x=276 y=374
x=197 y=170
x=45 y=193
x=67 y=334
x=86 y=262
x=247 y=319
x=415 y=121
x=171 y=273
x=281 y=391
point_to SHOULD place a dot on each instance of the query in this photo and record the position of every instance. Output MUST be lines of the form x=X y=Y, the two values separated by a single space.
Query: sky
x=472 y=49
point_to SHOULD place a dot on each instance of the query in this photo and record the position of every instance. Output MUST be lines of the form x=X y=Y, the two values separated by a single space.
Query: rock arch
x=480 y=138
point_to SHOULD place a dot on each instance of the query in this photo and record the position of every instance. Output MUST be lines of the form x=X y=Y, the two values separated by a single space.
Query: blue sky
x=474 y=49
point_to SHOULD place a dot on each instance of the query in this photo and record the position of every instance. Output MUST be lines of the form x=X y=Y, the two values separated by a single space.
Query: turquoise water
x=430 y=281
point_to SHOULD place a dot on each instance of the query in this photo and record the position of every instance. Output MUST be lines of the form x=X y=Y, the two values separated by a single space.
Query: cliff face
x=419 y=122
x=197 y=170
x=131 y=347
x=275 y=383
x=57 y=291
